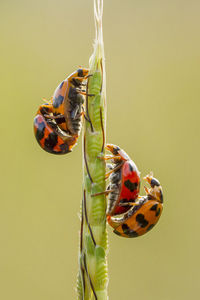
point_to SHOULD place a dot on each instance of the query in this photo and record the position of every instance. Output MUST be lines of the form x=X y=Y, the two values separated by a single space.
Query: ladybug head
x=116 y=151
x=155 y=192
x=113 y=148
x=81 y=72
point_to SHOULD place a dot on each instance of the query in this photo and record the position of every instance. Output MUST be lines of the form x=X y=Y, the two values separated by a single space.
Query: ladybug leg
x=54 y=117
x=103 y=193
x=146 y=190
x=86 y=115
x=83 y=113
x=47 y=101
x=82 y=78
x=113 y=170
x=87 y=118
x=78 y=78
x=59 y=118
x=107 y=157
x=85 y=94
x=80 y=115
x=87 y=76
x=112 y=148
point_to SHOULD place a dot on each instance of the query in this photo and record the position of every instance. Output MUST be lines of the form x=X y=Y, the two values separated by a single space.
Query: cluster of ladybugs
x=57 y=127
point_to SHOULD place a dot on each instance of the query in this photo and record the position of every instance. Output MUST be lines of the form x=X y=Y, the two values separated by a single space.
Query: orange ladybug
x=58 y=123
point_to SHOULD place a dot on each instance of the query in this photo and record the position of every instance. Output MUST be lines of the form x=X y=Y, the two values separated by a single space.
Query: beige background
x=152 y=61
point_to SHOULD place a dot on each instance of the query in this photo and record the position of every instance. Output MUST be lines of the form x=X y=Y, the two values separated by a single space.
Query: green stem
x=92 y=278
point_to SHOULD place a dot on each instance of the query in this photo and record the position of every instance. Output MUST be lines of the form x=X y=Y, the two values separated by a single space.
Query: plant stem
x=92 y=278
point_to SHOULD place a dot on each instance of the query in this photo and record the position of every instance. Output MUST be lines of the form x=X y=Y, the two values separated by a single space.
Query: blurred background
x=152 y=50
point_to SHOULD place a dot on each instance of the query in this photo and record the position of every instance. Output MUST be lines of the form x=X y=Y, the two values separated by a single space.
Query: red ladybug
x=124 y=181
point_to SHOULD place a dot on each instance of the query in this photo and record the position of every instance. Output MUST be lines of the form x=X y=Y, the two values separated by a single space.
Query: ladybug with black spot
x=48 y=134
x=68 y=100
x=58 y=123
x=144 y=213
x=124 y=181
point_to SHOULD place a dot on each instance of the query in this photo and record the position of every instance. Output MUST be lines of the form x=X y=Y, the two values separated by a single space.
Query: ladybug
x=48 y=134
x=57 y=124
x=124 y=181
x=144 y=213
x=67 y=101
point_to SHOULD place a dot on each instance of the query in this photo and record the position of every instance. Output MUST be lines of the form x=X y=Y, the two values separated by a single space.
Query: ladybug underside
x=119 y=198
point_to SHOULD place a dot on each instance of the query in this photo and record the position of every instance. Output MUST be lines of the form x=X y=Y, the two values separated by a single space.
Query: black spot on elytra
x=150 y=227
x=40 y=129
x=130 y=185
x=57 y=101
x=158 y=212
x=51 y=141
x=64 y=148
x=154 y=207
x=141 y=220
x=129 y=232
x=117 y=232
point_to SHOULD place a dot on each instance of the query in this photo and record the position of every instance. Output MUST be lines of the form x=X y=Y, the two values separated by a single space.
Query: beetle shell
x=48 y=134
x=125 y=182
x=140 y=219
x=49 y=139
x=130 y=186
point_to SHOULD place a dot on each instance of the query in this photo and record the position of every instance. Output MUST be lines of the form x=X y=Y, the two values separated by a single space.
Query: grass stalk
x=92 y=277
